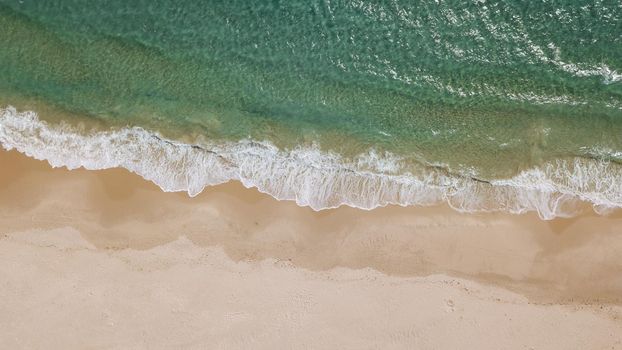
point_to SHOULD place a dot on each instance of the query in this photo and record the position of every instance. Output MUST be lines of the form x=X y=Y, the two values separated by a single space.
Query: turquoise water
x=480 y=90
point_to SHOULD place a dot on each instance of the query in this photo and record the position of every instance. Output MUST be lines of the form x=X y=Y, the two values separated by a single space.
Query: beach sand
x=105 y=259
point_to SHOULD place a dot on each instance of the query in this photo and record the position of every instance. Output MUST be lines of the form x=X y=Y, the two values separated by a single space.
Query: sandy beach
x=105 y=259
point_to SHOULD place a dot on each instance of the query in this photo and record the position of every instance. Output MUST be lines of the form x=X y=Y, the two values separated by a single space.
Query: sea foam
x=309 y=176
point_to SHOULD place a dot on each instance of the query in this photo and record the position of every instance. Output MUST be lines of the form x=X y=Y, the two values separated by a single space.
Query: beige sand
x=106 y=260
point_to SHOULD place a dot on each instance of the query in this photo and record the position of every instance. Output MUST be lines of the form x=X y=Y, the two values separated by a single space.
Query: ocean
x=484 y=105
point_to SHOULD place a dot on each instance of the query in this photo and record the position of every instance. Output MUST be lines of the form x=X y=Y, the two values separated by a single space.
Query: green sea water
x=479 y=88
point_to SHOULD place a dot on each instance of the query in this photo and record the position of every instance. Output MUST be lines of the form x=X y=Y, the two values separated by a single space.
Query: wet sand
x=104 y=259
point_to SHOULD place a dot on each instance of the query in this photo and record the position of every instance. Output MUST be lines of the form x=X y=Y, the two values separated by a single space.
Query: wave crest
x=310 y=176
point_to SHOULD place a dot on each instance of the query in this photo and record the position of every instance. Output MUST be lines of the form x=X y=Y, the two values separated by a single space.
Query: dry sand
x=104 y=259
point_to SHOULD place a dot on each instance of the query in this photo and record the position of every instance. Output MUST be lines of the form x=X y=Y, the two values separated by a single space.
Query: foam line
x=309 y=176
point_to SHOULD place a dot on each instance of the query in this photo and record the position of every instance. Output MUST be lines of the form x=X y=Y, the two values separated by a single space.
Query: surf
x=310 y=176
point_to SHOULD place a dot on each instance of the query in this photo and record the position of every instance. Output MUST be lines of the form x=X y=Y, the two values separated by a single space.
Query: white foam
x=309 y=176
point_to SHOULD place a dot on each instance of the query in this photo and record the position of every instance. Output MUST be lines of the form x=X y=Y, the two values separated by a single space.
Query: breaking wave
x=312 y=177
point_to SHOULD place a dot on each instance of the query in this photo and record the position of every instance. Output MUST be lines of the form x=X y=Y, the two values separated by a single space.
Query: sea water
x=486 y=105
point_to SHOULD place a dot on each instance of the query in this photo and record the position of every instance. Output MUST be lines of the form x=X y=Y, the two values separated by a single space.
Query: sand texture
x=106 y=260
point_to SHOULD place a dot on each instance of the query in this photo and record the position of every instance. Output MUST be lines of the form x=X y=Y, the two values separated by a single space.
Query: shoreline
x=316 y=178
x=236 y=268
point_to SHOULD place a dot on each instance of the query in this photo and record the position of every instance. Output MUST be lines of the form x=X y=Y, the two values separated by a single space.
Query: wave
x=309 y=176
